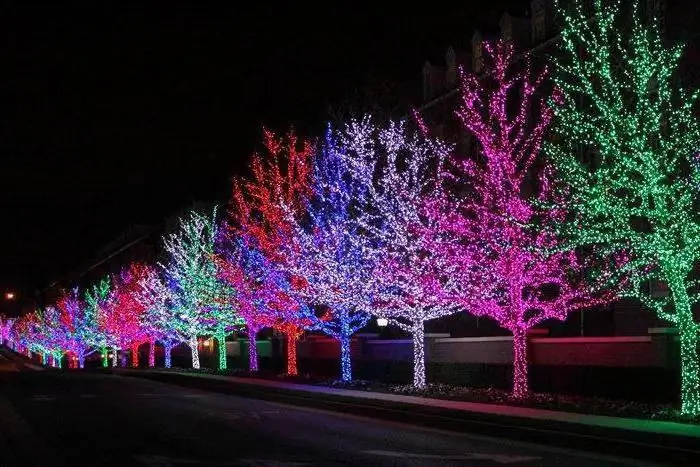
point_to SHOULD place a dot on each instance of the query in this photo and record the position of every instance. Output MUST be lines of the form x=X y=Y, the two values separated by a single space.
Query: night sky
x=117 y=116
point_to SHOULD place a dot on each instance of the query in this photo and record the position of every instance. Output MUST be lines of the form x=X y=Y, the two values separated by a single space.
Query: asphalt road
x=75 y=419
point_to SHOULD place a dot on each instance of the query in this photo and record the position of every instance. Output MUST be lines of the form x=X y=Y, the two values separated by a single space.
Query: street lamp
x=382 y=322
x=9 y=296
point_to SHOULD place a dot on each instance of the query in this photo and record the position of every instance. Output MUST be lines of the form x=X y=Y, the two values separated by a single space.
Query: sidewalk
x=659 y=440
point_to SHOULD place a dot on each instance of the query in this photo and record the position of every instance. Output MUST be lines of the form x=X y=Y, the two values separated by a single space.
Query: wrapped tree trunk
x=195 y=352
x=252 y=349
x=152 y=353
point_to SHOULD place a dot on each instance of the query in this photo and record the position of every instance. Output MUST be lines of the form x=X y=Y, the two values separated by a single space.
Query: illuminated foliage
x=327 y=250
x=158 y=301
x=280 y=185
x=96 y=301
x=125 y=312
x=637 y=192
x=398 y=170
x=504 y=267
x=201 y=304
x=78 y=326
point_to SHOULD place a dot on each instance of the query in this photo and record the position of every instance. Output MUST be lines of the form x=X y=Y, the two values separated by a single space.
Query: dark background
x=113 y=116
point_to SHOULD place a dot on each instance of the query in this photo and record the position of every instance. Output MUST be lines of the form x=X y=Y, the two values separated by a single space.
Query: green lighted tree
x=96 y=300
x=201 y=303
x=621 y=103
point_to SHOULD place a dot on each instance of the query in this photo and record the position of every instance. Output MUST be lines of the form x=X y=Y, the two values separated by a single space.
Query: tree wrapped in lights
x=124 y=313
x=42 y=334
x=201 y=303
x=263 y=210
x=158 y=300
x=399 y=170
x=250 y=273
x=638 y=192
x=328 y=250
x=504 y=267
x=79 y=326
x=97 y=300
x=6 y=325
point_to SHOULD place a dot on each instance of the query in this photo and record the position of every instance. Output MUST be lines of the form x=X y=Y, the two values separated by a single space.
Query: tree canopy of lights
x=398 y=169
x=638 y=191
x=6 y=325
x=125 y=313
x=79 y=326
x=281 y=176
x=97 y=299
x=328 y=249
x=504 y=267
x=158 y=301
x=280 y=184
x=251 y=274
x=43 y=334
x=201 y=304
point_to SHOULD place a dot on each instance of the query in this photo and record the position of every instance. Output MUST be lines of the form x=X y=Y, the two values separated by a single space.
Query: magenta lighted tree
x=506 y=268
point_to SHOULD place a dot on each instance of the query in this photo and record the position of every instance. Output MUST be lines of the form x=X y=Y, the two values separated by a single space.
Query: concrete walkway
x=640 y=425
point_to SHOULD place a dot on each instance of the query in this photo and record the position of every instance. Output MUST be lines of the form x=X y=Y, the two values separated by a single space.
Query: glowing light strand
x=399 y=169
x=505 y=268
x=636 y=193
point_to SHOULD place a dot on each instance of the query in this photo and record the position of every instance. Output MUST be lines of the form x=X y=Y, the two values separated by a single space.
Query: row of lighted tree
x=379 y=220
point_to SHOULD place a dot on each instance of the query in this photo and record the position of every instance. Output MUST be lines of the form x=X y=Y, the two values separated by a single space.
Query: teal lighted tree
x=621 y=103
x=201 y=303
x=96 y=299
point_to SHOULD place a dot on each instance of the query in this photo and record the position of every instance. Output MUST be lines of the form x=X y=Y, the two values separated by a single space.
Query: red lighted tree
x=509 y=264
x=280 y=177
x=123 y=317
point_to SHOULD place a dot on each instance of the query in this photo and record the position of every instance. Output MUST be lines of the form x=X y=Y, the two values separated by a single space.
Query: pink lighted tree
x=125 y=312
x=78 y=326
x=509 y=264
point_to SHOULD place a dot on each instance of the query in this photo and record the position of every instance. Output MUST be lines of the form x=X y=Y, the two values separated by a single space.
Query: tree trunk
x=58 y=360
x=252 y=349
x=135 y=355
x=345 y=358
x=292 y=337
x=418 y=334
x=221 y=342
x=167 y=351
x=81 y=360
x=688 y=335
x=105 y=360
x=520 y=381
x=152 y=353
x=43 y=358
x=195 y=352
x=114 y=358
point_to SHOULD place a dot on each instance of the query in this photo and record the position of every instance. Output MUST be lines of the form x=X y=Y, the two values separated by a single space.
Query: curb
x=641 y=445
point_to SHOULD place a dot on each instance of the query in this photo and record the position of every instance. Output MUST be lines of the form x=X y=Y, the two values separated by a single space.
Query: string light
x=258 y=231
x=502 y=266
x=638 y=194
x=327 y=250
x=201 y=304
x=398 y=170
x=79 y=327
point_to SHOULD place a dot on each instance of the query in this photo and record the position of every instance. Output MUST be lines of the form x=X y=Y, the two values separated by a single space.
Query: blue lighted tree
x=328 y=251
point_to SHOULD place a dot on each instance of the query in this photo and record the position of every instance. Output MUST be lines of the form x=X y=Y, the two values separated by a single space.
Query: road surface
x=74 y=419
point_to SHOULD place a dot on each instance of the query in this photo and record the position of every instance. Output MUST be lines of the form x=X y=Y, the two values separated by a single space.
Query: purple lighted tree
x=505 y=266
x=400 y=168
x=78 y=326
